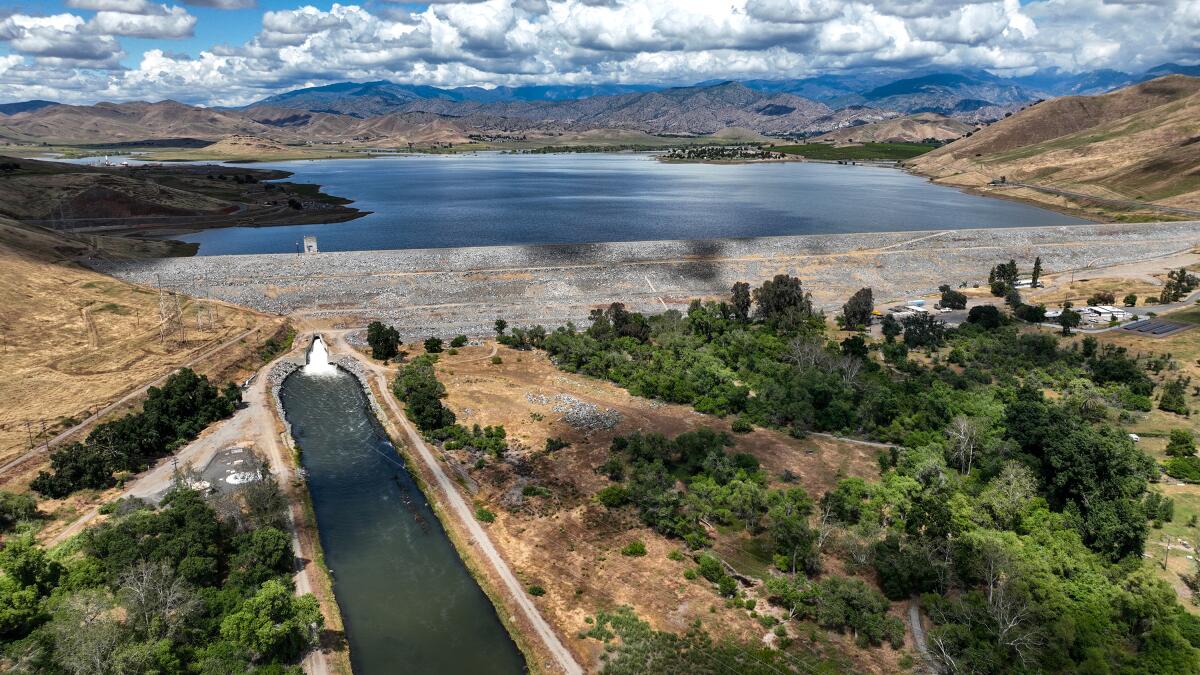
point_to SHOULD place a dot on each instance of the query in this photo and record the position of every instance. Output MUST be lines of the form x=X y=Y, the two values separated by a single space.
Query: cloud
x=514 y=42
x=59 y=36
x=127 y=6
x=222 y=4
x=163 y=23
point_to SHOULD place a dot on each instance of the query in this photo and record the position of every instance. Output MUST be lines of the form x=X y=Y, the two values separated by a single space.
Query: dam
x=447 y=291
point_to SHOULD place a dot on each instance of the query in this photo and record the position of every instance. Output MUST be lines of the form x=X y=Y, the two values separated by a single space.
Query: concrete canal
x=407 y=600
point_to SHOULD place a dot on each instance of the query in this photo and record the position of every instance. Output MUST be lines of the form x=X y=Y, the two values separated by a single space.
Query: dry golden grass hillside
x=1138 y=143
x=74 y=341
x=910 y=129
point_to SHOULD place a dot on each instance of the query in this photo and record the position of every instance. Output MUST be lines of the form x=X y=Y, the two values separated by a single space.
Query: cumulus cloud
x=127 y=6
x=163 y=23
x=222 y=4
x=60 y=36
x=513 y=42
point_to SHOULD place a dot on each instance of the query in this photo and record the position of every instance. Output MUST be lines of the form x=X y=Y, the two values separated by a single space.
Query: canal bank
x=407 y=595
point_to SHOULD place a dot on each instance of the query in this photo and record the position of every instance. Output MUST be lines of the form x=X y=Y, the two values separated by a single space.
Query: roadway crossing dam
x=407 y=600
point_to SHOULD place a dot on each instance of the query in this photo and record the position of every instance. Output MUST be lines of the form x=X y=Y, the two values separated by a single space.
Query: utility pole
x=44 y=436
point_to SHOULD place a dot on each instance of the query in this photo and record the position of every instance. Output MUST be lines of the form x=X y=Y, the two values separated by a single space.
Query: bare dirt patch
x=556 y=536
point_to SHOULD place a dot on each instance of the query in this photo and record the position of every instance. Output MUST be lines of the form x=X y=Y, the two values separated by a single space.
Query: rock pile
x=583 y=415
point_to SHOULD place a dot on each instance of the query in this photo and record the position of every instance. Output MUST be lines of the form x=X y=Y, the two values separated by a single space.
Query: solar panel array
x=1155 y=327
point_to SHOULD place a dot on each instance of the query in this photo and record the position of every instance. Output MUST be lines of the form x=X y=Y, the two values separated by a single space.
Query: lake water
x=408 y=602
x=495 y=199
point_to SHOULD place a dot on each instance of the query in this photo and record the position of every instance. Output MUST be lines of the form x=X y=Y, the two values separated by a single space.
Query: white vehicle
x=1135 y=438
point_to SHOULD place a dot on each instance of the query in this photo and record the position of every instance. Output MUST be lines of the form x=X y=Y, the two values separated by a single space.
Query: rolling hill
x=910 y=129
x=1138 y=143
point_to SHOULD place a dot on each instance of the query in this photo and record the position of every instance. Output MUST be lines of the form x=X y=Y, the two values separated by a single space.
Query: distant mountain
x=1172 y=69
x=370 y=99
x=948 y=93
x=1139 y=143
x=1055 y=82
x=24 y=106
x=910 y=129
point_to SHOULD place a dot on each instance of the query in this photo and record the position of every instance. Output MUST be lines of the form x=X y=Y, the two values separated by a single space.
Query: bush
x=742 y=425
x=1102 y=298
x=555 y=444
x=1181 y=444
x=1184 y=468
x=496 y=360
x=1130 y=300
x=613 y=496
x=16 y=507
x=634 y=549
x=433 y=345
x=535 y=491
x=537 y=591
x=690 y=574
x=675 y=555
x=459 y=341
x=484 y=516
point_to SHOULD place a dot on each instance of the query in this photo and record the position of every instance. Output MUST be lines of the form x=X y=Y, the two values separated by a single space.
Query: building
x=310 y=244
x=1104 y=314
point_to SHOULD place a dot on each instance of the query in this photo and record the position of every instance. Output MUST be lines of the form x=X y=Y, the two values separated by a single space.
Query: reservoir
x=491 y=199
x=407 y=600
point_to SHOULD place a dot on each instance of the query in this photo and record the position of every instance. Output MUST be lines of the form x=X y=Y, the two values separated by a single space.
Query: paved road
x=466 y=517
x=138 y=391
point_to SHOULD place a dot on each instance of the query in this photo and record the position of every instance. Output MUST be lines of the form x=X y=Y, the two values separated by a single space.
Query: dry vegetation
x=570 y=545
x=75 y=341
x=1136 y=143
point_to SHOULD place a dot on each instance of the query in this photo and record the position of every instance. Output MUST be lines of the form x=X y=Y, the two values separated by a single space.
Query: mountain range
x=386 y=113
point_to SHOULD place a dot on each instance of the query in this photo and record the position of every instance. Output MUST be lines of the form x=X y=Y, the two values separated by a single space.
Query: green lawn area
x=1189 y=315
x=863 y=151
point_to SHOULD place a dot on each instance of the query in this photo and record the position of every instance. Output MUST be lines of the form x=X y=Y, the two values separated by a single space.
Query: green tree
x=952 y=299
x=788 y=515
x=1181 y=443
x=856 y=313
x=740 y=301
x=1131 y=300
x=15 y=508
x=274 y=625
x=383 y=340
x=1036 y=276
x=890 y=327
x=501 y=325
x=433 y=345
x=1174 y=396
x=1068 y=319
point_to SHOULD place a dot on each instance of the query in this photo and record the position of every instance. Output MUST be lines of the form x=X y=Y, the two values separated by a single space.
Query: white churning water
x=318 y=360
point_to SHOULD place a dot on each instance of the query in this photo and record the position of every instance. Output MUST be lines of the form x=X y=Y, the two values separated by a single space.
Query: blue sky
x=192 y=50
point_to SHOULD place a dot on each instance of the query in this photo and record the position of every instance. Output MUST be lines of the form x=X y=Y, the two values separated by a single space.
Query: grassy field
x=895 y=151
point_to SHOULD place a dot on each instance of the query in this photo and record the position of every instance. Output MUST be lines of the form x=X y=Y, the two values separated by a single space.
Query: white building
x=1104 y=314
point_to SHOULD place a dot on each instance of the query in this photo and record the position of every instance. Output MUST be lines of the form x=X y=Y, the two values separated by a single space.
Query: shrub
x=496 y=360
x=727 y=586
x=1130 y=300
x=15 y=508
x=554 y=444
x=1181 y=444
x=459 y=341
x=537 y=591
x=433 y=345
x=613 y=496
x=675 y=555
x=690 y=574
x=742 y=425
x=484 y=516
x=1184 y=468
x=535 y=491
x=634 y=549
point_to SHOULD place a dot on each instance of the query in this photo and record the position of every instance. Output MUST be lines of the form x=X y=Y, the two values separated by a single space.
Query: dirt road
x=460 y=510
x=254 y=424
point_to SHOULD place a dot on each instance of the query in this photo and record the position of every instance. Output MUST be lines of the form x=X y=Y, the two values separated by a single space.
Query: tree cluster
x=383 y=340
x=168 y=590
x=170 y=417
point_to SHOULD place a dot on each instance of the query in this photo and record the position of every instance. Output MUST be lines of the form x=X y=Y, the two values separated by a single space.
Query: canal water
x=408 y=601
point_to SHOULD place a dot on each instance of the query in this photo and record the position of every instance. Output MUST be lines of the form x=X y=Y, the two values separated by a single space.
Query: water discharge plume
x=318 y=360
